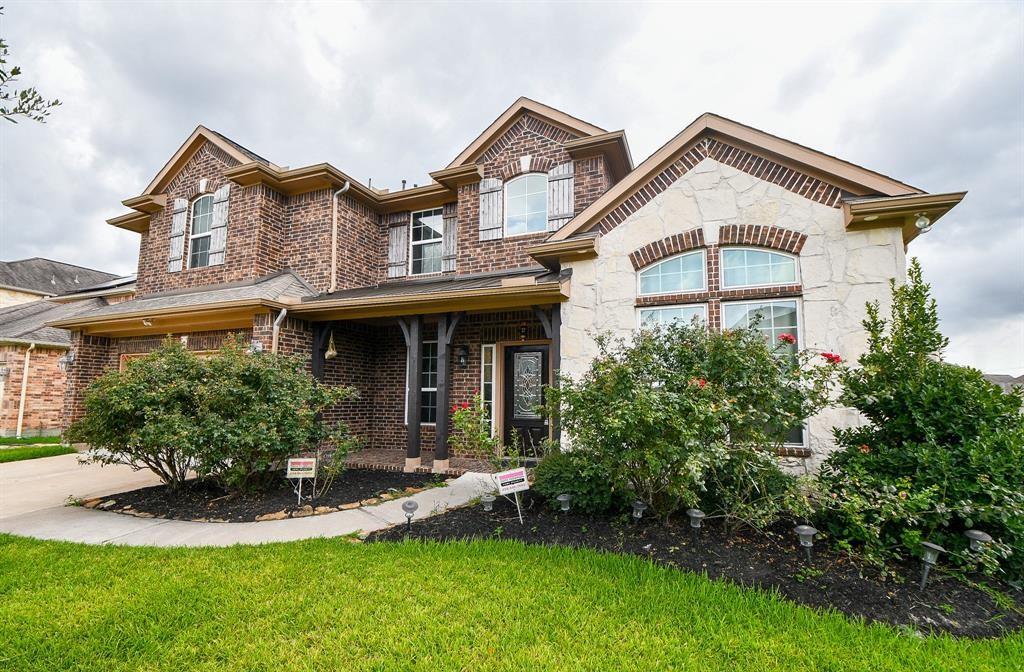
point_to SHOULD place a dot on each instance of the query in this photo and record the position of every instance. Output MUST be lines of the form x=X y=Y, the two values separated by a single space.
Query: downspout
x=277 y=329
x=334 y=236
x=24 y=388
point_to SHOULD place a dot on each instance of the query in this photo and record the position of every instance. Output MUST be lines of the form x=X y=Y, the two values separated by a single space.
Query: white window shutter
x=177 y=246
x=219 y=226
x=491 y=201
x=398 y=244
x=449 y=241
x=561 y=182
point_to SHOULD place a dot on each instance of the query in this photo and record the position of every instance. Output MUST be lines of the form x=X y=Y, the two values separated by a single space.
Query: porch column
x=411 y=329
x=445 y=331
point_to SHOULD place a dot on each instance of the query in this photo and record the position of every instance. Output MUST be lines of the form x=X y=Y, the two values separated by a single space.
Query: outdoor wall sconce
x=64 y=363
x=696 y=517
x=255 y=347
x=332 y=352
x=522 y=331
x=806 y=534
x=5 y=371
x=931 y=557
x=638 y=510
x=409 y=506
x=488 y=501
x=923 y=224
x=979 y=540
x=462 y=355
x=564 y=500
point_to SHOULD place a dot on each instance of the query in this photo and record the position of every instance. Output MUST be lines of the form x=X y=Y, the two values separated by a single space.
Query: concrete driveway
x=33 y=495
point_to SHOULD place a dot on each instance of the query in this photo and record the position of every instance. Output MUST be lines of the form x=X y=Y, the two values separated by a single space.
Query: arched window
x=676 y=275
x=199 y=236
x=526 y=204
x=746 y=267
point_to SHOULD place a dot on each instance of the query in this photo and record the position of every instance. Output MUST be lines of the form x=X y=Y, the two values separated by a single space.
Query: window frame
x=704 y=275
x=421 y=243
x=493 y=384
x=547 y=205
x=640 y=309
x=754 y=248
x=799 y=339
x=405 y=412
x=192 y=237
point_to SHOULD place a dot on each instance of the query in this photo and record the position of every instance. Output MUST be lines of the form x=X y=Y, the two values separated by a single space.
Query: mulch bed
x=771 y=560
x=205 y=501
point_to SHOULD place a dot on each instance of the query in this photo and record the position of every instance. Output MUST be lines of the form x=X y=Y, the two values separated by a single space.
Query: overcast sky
x=930 y=94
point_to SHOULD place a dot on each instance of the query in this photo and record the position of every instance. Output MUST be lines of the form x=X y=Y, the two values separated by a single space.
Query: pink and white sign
x=513 y=480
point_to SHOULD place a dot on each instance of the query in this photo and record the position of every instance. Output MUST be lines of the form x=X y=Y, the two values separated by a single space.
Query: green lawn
x=337 y=605
x=27 y=440
x=32 y=452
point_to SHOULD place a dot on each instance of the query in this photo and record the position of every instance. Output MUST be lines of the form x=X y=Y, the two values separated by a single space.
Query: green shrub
x=591 y=489
x=943 y=450
x=681 y=415
x=233 y=417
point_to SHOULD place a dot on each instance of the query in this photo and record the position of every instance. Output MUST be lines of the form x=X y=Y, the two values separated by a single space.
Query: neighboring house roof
x=47 y=277
x=276 y=291
x=1004 y=381
x=117 y=286
x=27 y=322
x=849 y=177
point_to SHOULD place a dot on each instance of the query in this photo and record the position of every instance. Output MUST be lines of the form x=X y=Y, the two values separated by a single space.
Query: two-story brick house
x=500 y=271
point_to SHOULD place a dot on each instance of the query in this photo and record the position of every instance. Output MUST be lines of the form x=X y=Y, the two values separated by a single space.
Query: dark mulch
x=770 y=560
x=203 y=500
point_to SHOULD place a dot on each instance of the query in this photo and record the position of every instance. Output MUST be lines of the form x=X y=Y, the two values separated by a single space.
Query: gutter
x=277 y=329
x=334 y=238
x=24 y=388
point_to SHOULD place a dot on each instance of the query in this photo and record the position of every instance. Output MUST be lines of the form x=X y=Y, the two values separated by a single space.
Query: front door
x=525 y=375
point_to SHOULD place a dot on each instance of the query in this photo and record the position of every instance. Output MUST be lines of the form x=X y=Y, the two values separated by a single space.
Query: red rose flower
x=865 y=448
x=699 y=382
x=789 y=339
x=832 y=358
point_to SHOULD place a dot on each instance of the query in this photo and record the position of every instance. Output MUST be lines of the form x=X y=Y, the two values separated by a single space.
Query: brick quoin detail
x=752 y=164
x=667 y=247
x=515 y=168
x=525 y=124
x=774 y=237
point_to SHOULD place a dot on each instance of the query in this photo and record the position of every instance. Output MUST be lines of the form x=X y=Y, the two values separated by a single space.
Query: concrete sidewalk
x=32 y=504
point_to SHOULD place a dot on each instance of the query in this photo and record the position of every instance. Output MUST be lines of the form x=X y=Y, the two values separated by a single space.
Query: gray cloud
x=931 y=94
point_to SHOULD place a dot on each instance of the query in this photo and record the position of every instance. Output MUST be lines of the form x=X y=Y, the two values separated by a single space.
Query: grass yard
x=32 y=452
x=334 y=604
x=27 y=440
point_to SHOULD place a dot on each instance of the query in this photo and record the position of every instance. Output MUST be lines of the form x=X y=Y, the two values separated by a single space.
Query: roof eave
x=901 y=211
x=552 y=254
x=612 y=146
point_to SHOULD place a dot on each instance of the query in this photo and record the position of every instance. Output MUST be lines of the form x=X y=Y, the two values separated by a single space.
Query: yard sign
x=300 y=468
x=512 y=482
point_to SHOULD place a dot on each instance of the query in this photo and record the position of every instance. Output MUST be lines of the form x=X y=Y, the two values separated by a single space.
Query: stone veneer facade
x=714 y=205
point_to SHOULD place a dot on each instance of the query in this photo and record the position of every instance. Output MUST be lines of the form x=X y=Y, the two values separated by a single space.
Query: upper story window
x=425 y=242
x=199 y=238
x=743 y=267
x=677 y=275
x=526 y=205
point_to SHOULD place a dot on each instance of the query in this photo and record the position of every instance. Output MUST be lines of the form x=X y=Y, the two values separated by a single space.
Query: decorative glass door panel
x=525 y=377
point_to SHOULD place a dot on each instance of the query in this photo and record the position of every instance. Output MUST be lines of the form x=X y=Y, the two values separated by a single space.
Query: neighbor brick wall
x=44 y=395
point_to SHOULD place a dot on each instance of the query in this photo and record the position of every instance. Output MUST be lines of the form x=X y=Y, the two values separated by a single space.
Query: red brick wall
x=44 y=395
x=93 y=356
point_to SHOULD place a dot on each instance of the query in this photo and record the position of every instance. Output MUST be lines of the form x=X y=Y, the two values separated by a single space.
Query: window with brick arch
x=200 y=233
x=526 y=205
x=754 y=267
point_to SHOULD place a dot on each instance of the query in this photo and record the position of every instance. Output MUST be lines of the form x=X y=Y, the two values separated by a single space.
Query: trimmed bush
x=943 y=450
x=591 y=489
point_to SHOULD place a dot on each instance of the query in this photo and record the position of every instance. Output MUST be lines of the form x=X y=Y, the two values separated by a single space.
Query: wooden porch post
x=445 y=331
x=411 y=328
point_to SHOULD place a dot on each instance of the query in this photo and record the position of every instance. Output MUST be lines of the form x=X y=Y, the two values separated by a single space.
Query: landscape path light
x=696 y=517
x=409 y=506
x=564 y=500
x=638 y=510
x=806 y=534
x=931 y=557
x=979 y=540
x=488 y=501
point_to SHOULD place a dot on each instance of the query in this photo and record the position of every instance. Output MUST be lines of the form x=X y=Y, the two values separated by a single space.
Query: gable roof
x=27 y=322
x=190 y=147
x=47 y=277
x=524 y=105
x=847 y=176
